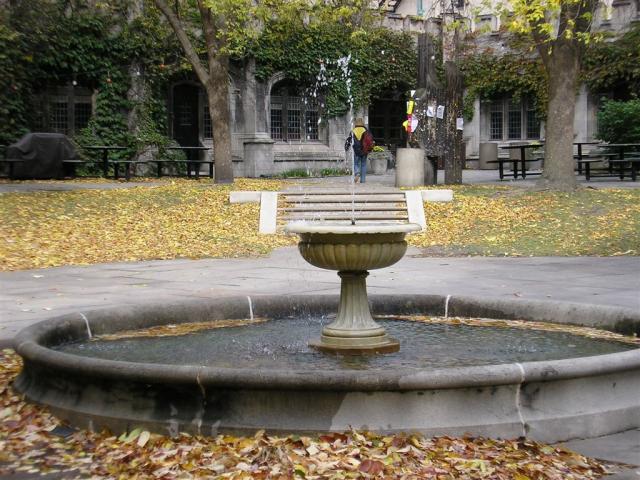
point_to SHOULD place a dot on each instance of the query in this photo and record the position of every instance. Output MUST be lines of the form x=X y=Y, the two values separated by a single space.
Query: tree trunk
x=453 y=153
x=218 y=96
x=562 y=68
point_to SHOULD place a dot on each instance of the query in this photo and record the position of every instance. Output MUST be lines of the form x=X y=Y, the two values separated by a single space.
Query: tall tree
x=560 y=30
x=454 y=151
x=219 y=20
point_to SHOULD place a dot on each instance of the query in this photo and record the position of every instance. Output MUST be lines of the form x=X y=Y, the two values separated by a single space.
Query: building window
x=82 y=114
x=206 y=123
x=59 y=116
x=513 y=119
x=496 y=114
x=68 y=110
x=294 y=117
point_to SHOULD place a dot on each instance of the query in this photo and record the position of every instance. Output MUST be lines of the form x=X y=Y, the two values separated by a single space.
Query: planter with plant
x=380 y=158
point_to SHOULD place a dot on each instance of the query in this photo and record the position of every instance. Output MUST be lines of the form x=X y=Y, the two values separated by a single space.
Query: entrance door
x=186 y=125
x=385 y=122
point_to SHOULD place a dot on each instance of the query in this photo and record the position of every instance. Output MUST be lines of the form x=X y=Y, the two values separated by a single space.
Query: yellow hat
x=359 y=122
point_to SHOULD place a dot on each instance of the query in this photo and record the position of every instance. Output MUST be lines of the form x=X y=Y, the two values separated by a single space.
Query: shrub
x=619 y=122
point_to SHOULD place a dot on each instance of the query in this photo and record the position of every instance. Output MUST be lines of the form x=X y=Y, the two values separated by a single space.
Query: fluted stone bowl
x=358 y=247
x=352 y=250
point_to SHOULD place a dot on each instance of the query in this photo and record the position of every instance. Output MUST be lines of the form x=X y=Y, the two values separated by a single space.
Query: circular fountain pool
x=282 y=344
x=446 y=379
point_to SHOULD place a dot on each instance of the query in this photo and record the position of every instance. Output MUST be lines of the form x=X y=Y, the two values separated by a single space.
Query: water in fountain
x=282 y=344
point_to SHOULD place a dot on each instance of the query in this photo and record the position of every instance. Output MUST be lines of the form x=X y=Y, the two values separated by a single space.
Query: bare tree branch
x=189 y=50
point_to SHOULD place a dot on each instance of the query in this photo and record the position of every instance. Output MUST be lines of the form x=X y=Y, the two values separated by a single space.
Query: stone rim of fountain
x=537 y=399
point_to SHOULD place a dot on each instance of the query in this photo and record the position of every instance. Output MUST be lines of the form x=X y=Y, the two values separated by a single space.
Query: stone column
x=409 y=167
x=258 y=157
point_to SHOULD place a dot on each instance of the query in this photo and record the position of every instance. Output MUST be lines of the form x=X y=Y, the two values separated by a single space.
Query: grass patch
x=190 y=219
x=507 y=221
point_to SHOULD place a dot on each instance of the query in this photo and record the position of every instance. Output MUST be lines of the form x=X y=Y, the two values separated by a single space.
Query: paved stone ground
x=481 y=177
x=33 y=295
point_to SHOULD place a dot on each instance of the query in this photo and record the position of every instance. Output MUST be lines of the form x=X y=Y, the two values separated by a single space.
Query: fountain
x=353 y=250
x=251 y=368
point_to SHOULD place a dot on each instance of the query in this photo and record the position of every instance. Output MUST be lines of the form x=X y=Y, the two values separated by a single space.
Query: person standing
x=362 y=141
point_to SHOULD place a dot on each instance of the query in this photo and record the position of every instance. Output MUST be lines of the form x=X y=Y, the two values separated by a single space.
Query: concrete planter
x=409 y=167
x=379 y=162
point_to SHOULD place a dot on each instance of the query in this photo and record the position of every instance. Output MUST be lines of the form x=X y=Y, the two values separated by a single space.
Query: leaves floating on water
x=31 y=442
x=175 y=330
x=523 y=324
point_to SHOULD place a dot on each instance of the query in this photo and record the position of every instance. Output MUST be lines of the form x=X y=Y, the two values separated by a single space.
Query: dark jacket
x=355 y=138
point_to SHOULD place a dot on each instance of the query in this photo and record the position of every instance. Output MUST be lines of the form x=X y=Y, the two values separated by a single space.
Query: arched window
x=294 y=116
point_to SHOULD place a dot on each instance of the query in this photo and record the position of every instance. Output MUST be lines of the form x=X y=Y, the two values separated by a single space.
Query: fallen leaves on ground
x=178 y=220
x=194 y=219
x=496 y=220
x=32 y=440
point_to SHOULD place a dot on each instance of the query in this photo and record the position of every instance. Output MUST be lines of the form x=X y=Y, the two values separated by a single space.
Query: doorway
x=186 y=125
x=385 y=120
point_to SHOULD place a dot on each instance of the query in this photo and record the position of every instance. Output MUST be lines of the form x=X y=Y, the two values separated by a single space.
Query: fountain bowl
x=357 y=247
x=551 y=400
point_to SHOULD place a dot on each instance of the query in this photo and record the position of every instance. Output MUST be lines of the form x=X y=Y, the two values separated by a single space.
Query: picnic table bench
x=612 y=165
x=127 y=167
x=71 y=164
x=514 y=162
x=11 y=162
x=190 y=163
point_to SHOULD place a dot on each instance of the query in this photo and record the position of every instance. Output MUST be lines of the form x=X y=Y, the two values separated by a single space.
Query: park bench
x=340 y=205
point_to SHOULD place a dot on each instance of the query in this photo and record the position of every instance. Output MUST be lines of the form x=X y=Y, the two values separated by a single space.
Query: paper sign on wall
x=440 y=111
x=431 y=111
x=459 y=123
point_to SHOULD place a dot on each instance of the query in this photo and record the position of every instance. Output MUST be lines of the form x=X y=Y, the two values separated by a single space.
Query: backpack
x=367 y=142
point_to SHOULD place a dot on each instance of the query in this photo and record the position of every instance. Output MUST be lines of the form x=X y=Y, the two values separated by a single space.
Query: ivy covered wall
x=45 y=44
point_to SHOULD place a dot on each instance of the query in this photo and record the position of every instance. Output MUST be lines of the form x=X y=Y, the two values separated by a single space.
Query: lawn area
x=496 y=220
x=188 y=219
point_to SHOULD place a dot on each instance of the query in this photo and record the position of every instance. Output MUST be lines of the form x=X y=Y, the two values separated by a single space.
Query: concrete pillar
x=488 y=153
x=409 y=167
x=258 y=157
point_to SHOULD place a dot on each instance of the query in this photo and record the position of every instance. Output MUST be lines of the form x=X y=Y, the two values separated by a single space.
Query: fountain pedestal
x=354 y=330
x=352 y=250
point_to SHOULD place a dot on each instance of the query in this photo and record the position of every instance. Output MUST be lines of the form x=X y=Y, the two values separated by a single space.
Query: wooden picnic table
x=191 y=162
x=105 y=155
x=579 y=157
x=621 y=147
x=620 y=161
x=522 y=160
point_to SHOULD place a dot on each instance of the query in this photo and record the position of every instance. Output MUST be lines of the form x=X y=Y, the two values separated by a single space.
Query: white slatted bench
x=341 y=206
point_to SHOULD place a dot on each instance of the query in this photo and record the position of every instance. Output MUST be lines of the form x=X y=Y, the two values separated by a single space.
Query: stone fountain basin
x=358 y=247
x=546 y=400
